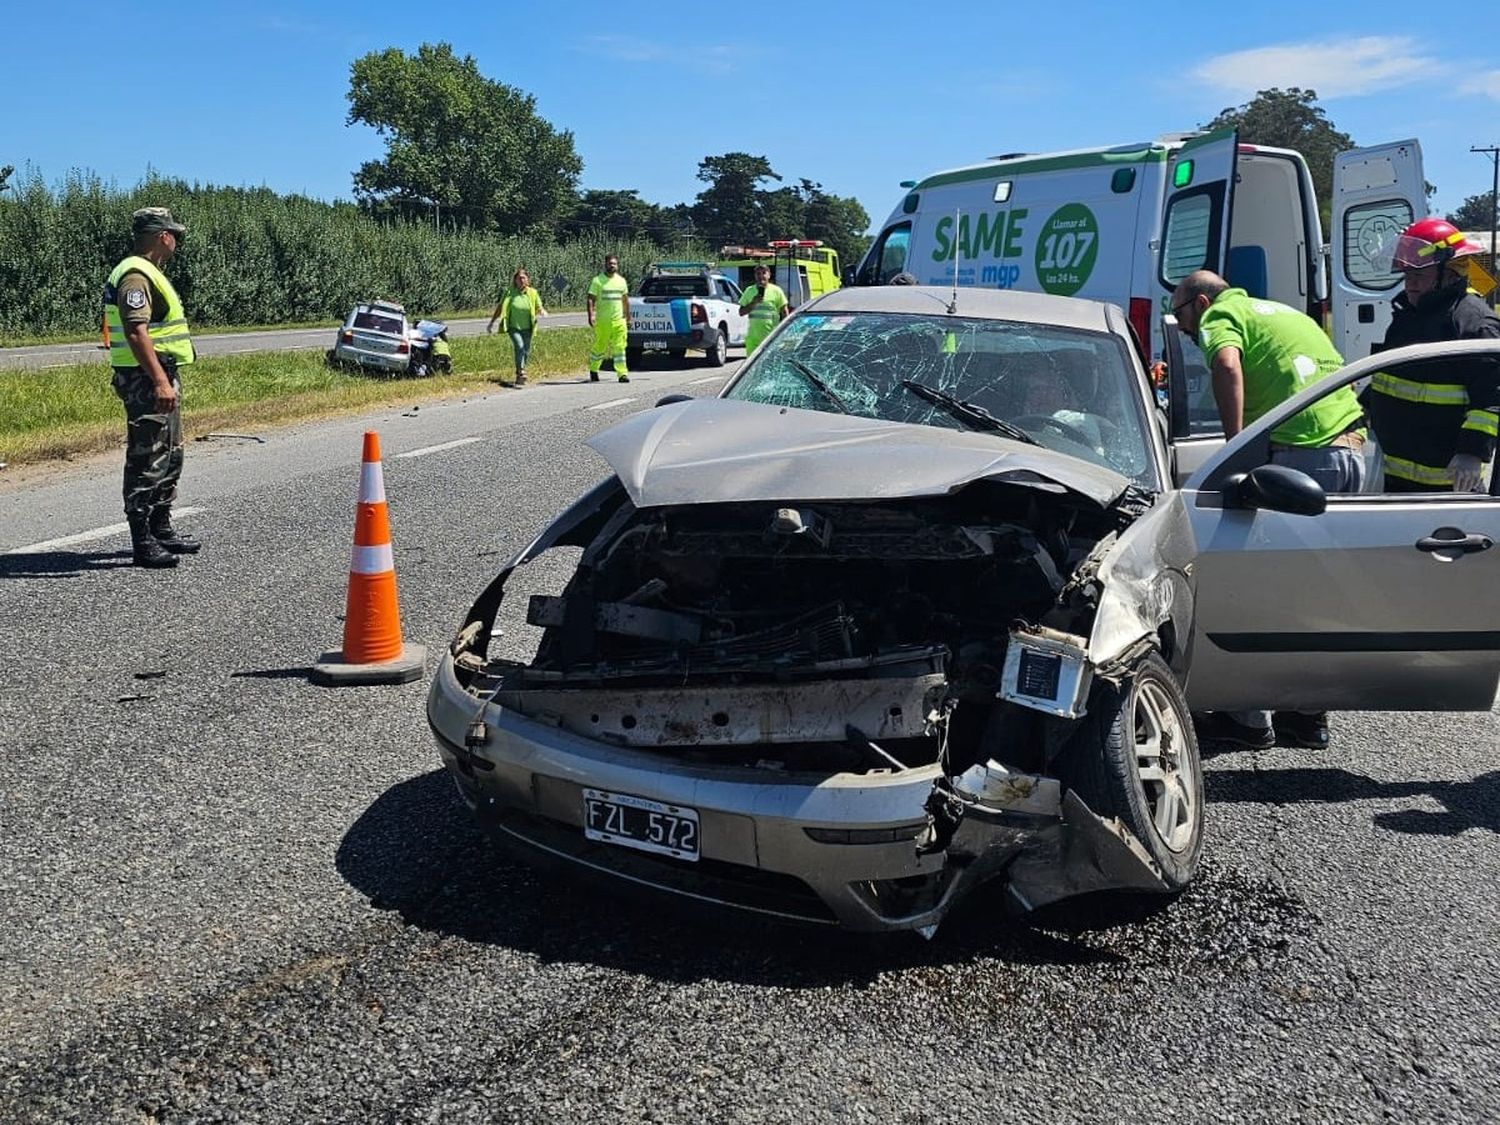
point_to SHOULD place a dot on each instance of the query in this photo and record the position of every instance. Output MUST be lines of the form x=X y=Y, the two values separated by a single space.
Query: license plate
x=635 y=822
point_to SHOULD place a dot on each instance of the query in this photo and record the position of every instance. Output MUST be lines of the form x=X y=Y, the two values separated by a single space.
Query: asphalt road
x=231 y=343
x=229 y=895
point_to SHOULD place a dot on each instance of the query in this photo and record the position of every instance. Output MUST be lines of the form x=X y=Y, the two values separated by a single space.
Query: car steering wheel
x=1067 y=429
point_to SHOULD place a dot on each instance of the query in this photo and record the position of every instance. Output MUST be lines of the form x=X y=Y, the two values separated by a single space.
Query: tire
x=1135 y=757
x=635 y=357
x=719 y=353
x=331 y=358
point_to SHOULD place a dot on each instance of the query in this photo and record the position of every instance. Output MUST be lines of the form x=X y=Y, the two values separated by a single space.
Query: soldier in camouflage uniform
x=149 y=343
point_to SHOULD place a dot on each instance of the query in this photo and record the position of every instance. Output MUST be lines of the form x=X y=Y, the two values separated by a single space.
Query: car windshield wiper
x=976 y=416
x=816 y=380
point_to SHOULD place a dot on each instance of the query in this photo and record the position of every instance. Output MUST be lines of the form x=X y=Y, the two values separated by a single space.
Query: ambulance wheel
x=719 y=353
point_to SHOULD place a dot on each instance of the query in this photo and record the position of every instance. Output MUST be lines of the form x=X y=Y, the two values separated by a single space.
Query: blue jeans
x=520 y=343
x=1337 y=469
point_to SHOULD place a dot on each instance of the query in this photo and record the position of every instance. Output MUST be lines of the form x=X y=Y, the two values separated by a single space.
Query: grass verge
x=63 y=412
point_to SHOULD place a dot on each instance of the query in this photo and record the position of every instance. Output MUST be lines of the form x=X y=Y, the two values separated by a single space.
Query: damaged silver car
x=915 y=605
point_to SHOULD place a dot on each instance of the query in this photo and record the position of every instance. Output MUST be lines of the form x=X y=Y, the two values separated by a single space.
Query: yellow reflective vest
x=169 y=336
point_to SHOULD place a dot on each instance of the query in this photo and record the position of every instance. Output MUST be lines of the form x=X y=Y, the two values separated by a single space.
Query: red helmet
x=1431 y=242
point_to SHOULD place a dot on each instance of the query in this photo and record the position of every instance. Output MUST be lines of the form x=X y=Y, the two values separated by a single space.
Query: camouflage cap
x=150 y=220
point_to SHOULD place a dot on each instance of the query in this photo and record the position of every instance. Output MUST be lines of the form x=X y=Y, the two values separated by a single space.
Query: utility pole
x=1493 y=152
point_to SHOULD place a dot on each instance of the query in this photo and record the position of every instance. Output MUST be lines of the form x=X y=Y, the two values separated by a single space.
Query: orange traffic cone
x=373 y=652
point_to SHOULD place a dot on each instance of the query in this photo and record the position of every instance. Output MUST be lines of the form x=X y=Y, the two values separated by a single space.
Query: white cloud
x=1487 y=84
x=1333 y=67
x=706 y=59
x=623 y=48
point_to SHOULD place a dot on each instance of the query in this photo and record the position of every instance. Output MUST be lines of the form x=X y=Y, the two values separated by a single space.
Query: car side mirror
x=1276 y=488
x=850 y=278
x=668 y=400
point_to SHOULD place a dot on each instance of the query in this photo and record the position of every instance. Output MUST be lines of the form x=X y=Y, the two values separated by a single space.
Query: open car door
x=1377 y=193
x=1379 y=602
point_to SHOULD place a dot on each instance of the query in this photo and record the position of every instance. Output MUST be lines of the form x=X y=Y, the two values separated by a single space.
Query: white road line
x=426 y=449
x=610 y=403
x=87 y=536
x=710 y=379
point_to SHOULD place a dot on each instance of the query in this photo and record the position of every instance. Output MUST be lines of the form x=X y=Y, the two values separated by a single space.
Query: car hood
x=722 y=451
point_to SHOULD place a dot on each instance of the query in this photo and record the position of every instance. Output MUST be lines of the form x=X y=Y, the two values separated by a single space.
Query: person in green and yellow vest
x=765 y=304
x=518 y=311
x=609 y=316
x=149 y=343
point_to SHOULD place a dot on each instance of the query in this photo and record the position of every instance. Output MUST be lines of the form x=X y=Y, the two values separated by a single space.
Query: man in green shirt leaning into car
x=1261 y=353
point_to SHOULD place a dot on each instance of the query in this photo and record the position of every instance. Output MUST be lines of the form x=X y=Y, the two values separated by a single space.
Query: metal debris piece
x=238 y=437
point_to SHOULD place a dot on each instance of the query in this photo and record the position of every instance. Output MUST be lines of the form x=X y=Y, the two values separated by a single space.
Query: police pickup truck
x=683 y=305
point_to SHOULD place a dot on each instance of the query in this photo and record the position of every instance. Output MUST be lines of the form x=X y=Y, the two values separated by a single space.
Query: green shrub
x=252 y=256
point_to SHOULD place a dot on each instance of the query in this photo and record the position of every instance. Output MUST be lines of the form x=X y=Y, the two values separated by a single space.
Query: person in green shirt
x=1261 y=353
x=765 y=304
x=609 y=315
x=518 y=311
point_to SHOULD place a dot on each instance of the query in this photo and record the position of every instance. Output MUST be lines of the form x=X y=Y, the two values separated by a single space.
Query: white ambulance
x=1125 y=224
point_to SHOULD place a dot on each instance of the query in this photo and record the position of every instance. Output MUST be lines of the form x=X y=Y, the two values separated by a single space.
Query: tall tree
x=619 y=213
x=456 y=140
x=732 y=207
x=1291 y=118
x=838 y=220
x=1475 y=213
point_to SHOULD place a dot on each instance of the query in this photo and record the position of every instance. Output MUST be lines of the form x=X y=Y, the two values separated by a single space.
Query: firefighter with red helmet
x=1437 y=424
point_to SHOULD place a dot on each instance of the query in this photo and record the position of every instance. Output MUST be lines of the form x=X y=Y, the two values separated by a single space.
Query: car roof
x=990 y=304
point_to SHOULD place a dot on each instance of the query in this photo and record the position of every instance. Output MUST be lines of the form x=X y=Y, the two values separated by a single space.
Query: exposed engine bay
x=822 y=636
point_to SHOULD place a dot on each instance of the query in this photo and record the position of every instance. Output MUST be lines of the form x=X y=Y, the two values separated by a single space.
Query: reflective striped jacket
x=1423 y=414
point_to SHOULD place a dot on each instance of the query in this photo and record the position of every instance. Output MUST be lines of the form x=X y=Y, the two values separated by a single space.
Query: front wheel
x=1135 y=757
x=719 y=353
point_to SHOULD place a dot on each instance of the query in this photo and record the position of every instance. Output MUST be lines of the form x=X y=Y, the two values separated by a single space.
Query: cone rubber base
x=333 y=671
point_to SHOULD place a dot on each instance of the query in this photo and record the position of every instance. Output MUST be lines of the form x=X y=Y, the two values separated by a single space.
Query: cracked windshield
x=1067 y=390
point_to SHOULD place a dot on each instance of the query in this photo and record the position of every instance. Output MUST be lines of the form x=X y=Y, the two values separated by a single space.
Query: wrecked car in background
x=909 y=608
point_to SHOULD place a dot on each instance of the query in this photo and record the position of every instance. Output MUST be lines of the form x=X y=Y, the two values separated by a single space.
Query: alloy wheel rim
x=1167 y=773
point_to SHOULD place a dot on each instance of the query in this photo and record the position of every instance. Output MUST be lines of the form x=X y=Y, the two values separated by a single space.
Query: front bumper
x=703 y=338
x=833 y=850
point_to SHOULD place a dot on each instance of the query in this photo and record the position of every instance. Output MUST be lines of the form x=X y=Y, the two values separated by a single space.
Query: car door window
x=1254 y=449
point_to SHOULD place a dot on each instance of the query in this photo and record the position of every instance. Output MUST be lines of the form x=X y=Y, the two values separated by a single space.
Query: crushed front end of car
x=844 y=686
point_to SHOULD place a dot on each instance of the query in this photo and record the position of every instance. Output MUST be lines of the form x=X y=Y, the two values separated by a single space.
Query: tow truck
x=803 y=267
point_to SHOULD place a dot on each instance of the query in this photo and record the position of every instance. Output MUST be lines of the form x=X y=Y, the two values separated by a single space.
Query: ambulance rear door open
x=1194 y=235
x=1200 y=199
x=1377 y=193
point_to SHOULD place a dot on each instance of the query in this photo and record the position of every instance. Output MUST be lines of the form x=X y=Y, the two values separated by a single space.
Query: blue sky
x=858 y=96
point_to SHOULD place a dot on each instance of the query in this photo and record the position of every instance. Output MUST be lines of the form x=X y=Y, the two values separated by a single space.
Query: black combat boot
x=147 y=551
x=169 y=537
